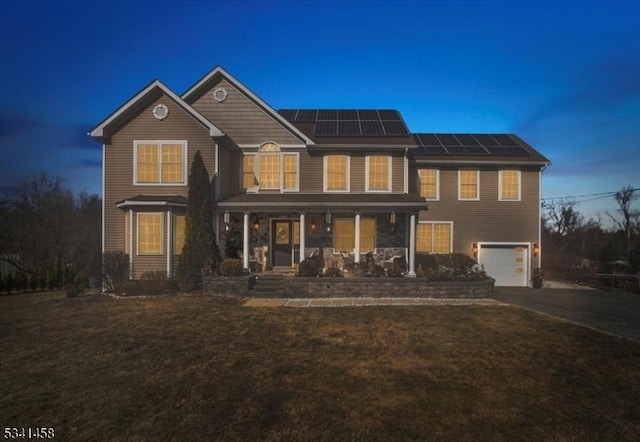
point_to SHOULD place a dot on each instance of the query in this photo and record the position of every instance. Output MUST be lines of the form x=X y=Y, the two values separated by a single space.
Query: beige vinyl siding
x=486 y=219
x=230 y=160
x=119 y=160
x=357 y=173
x=311 y=172
x=397 y=174
x=241 y=119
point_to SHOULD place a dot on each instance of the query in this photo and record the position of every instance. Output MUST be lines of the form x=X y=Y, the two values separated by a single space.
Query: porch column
x=412 y=246
x=356 y=257
x=245 y=242
x=169 y=244
x=130 y=243
x=302 y=238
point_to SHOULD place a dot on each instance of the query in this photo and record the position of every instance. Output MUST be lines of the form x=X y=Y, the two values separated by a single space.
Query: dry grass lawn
x=203 y=368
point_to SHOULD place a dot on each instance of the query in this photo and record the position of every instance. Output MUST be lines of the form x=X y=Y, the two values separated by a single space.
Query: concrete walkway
x=360 y=302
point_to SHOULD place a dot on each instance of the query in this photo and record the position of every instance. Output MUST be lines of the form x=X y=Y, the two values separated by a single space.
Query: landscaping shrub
x=310 y=267
x=21 y=282
x=333 y=272
x=426 y=261
x=150 y=283
x=376 y=271
x=33 y=282
x=115 y=271
x=8 y=283
x=231 y=267
x=394 y=274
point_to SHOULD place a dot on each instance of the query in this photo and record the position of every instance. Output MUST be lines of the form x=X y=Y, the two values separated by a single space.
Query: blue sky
x=565 y=76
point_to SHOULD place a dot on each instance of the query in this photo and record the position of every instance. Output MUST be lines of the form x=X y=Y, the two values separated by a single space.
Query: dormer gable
x=245 y=117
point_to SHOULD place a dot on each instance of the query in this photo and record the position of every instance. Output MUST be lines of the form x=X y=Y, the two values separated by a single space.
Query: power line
x=590 y=196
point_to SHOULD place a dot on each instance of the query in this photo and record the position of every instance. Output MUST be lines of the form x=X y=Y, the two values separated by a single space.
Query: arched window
x=271 y=169
x=269 y=176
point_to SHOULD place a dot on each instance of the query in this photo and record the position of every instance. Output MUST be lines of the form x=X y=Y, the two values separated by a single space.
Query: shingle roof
x=345 y=202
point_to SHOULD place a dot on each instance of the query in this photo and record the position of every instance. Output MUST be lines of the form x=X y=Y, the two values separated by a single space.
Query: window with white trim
x=271 y=169
x=344 y=233
x=509 y=185
x=160 y=162
x=434 y=237
x=378 y=168
x=149 y=234
x=469 y=184
x=429 y=180
x=336 y=173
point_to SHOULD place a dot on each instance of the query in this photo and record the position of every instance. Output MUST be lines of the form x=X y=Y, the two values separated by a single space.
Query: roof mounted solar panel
x=394 y=128
x=347 y=115
x=429 y=140
x=456 y=150
x=327 y=114
x=433 y=150
x=486 y=140
x=288 y=114
x=371 y=128
x=496 y=150
x=306 y=115
x=467 y=140
x=476 y=150
x=348 y=128
x=389 y=115
x=516 y=150
x=368 y=114
x=448 y=140
x=504 y=140
x=326 y=127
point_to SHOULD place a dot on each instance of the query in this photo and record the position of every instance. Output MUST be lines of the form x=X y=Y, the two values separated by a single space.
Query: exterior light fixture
x=313 y=224
x=474 y=249
x=226 y=221
x=256 y=223
x=536 y=249
x=328 y=221
x=392 y=221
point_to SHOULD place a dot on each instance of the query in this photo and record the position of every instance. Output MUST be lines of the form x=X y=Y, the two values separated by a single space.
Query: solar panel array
x=474 y=144
x=348 y=122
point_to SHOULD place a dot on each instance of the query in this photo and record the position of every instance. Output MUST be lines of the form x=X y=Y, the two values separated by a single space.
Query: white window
x=344 y=233
x=436 y=237
x=469 y=184
x=271 y=169
x=378 y=173
x=160 y=163
x=429 y=183
x=509 y=184
x=336 y=173
x=149 y=233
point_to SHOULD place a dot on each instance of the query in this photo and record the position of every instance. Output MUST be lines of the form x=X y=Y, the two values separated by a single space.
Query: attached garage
x=507 y=263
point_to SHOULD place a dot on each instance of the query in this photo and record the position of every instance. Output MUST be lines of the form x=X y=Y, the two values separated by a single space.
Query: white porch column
x=169 y=244
x=356 y=257
x=412 y=246
x=245 y=242
x=302 y=238
x=130 y=242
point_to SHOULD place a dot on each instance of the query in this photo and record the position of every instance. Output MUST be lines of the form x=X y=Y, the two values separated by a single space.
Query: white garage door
x=506 y=263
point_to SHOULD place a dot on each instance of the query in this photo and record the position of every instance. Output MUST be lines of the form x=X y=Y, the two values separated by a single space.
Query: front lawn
x=204 y=368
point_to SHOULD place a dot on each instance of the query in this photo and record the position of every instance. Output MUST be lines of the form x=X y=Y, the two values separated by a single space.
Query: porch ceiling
x=338 y=202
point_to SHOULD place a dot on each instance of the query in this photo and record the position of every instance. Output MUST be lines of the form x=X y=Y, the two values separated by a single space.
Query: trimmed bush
x=333 y=272
x=115 y=271
x=231 y=267
x=310 y=267
x=426 y=261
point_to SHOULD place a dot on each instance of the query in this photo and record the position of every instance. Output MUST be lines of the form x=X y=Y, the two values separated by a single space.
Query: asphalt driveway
x=614 y=312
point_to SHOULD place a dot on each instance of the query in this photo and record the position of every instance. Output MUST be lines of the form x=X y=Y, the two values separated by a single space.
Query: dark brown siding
x=241 y=119
x=118 y=168
x=230 y=170
x=311 y=172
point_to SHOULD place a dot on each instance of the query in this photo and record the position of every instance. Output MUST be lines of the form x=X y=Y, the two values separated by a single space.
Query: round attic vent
x=160 y=112
x=220 y=94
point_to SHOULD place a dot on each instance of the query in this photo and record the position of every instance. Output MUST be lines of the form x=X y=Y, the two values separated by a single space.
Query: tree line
x=50 y=237
x=572 y=242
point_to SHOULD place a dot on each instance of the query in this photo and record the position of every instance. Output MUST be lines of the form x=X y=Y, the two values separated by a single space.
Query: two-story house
x=335 y=183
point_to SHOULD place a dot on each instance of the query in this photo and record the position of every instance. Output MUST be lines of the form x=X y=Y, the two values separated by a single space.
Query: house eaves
x=219 y=71
x=122 y=111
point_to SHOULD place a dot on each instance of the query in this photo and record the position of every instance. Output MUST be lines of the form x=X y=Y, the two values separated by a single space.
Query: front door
x=282 y=242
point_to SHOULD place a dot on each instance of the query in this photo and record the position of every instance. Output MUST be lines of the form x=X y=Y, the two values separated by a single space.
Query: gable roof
x=217 y=73
x=124 y=111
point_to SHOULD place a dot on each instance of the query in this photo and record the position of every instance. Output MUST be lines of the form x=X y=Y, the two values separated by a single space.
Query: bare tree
x=628 y=221
x=563 y=217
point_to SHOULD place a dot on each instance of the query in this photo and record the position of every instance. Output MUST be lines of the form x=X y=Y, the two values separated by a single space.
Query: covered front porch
x=278 y=231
